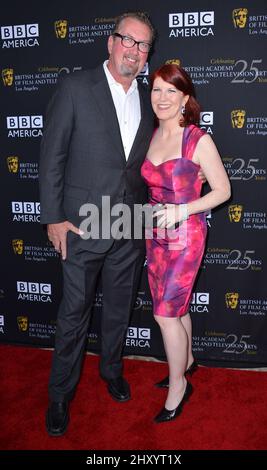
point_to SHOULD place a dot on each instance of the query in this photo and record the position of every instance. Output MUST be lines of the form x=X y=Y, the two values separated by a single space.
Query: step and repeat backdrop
x=223 y=47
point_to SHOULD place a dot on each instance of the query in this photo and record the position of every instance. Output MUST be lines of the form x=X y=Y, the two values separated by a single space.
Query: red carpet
x=226 y=411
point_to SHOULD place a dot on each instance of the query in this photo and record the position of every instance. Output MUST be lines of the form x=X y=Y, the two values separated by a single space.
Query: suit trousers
x=120 y=268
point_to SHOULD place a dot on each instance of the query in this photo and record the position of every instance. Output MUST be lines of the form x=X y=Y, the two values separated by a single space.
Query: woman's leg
x=176 y=347
x=187 y=324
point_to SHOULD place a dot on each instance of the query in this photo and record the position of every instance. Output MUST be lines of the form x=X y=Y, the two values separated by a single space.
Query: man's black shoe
x=57 y=418
x=119 y=389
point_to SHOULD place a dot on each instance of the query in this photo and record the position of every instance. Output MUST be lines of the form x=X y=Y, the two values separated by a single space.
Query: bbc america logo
x=190 y=19
x=143 y=333
x=20 y=31
x=24 y=122
x=34 y=287
x=34 y=291
x=206 y=121
x=138 y=337
x=19 y=207
x=25 y=211
x=200 y=302
x=191 y=24
x=21 y=35
x=24 y=126
x=201 y=298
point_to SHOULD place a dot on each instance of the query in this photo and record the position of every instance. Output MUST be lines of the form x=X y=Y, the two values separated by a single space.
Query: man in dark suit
x=98 y=129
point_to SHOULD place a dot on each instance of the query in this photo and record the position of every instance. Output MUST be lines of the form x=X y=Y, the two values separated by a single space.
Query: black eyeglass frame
x=122 y=37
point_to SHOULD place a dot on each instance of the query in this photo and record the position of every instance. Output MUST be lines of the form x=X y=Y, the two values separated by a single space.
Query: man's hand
x=201 y=176
x=57 y=234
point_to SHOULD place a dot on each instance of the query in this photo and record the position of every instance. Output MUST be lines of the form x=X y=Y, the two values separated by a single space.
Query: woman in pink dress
x=178 y=150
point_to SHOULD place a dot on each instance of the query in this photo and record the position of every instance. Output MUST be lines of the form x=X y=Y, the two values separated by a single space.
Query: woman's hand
x=170 y=215
x=201 y=176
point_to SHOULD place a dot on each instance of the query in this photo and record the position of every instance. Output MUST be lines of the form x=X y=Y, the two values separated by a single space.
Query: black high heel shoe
x=168 y=415
x=165 y=382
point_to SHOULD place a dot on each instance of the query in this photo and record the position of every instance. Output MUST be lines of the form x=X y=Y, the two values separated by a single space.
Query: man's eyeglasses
x=130 y=42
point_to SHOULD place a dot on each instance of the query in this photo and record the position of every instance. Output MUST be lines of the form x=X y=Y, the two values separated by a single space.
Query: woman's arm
x=207 y=156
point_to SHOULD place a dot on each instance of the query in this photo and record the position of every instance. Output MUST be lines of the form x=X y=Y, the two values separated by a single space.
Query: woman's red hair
x=178 y=77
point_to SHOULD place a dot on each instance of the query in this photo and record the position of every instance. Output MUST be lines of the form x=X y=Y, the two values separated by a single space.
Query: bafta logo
x=22 y=322
x=61 y=28
x=173 y=61
x=238 y=118
x=235 y=212
x=12 y=164
x=231 y=299
x=240 y=17
x=8 y=76
x=17 y=245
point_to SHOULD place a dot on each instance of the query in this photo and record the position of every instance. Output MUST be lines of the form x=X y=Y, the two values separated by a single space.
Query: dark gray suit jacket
x=82 y=156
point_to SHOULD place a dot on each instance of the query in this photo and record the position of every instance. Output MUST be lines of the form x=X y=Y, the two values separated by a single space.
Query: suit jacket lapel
x=106 y=106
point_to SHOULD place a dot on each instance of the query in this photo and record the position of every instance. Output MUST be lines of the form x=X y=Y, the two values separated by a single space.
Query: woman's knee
x=164 y=322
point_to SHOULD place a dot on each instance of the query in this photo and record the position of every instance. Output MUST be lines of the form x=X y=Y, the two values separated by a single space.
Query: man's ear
x=110 y=43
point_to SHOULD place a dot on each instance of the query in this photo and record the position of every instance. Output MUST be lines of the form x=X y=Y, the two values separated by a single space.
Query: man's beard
x=129 y=70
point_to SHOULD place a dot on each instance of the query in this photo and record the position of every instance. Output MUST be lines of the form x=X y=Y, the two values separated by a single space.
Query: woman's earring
x=183 y=110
